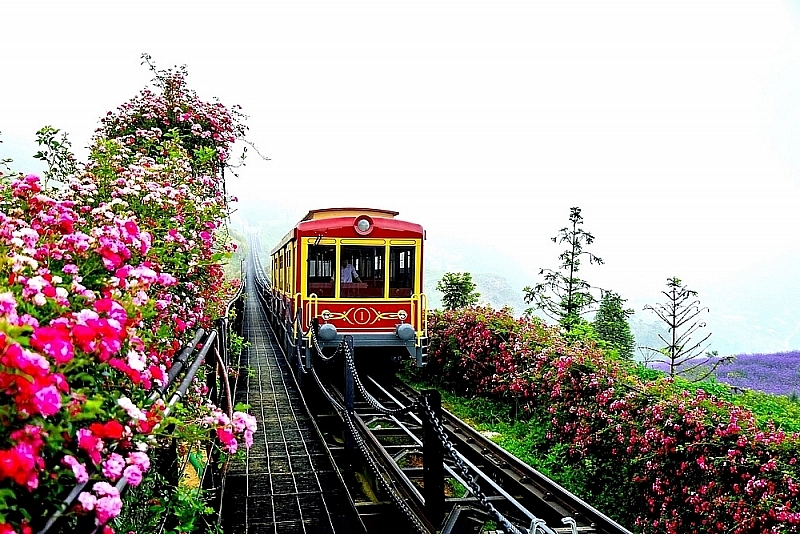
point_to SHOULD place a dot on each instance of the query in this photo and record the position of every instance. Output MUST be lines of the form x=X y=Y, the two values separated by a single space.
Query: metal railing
x=184 y=367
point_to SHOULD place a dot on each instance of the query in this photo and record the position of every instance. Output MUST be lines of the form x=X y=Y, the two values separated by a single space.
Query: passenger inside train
x=362 y=271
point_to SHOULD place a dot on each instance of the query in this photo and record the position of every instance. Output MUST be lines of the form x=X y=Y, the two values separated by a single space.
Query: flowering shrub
x=205 y=130
x=101 y=282
x=690 y=462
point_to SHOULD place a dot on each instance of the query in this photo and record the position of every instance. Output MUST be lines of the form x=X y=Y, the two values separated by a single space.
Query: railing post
x=432 y=461
x=211 y=366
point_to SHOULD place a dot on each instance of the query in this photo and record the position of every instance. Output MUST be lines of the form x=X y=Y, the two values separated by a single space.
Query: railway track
x=476 y=472
x=415 y=469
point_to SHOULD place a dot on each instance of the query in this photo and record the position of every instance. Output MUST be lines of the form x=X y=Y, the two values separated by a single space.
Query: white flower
x=133 y=411
x=136 y=360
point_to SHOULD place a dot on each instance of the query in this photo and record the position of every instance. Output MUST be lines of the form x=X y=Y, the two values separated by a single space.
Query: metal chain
x=334 y=402
x=362 y=446
x=315 y=344
x=393 y=494
x=465 y=473
x=348 y=355
x=437 y=425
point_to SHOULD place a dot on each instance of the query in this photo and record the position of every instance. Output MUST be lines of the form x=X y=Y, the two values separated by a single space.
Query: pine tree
x=611 y=324
x=563 y=295
x=680 y=313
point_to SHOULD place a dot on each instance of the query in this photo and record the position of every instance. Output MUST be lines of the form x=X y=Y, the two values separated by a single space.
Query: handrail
x=424 y=304
x=414 y=311
x=178 y=365
x=174 y=371
x=298 y=299
x=179 y=393
x=187 y=379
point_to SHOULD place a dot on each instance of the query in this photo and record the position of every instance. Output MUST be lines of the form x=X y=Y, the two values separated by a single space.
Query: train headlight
x=405 y=332
x=363 y=225
x=402 y=315
x=327 y=332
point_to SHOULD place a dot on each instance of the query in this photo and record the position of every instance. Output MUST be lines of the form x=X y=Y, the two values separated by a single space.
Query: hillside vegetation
x=659 y=454
x=108 y=269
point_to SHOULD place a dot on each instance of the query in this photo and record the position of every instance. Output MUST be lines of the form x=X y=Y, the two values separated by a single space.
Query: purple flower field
x=777 y=373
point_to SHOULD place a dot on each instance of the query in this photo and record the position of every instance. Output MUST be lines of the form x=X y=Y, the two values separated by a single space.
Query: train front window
x=321 y=261
x=401 y=272
x=368 y=263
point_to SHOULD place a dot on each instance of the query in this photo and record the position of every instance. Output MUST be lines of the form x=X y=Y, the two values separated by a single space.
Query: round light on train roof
x=363 y=225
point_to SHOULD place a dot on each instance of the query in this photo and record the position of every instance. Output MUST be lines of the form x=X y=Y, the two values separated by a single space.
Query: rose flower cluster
x=661 y=456
x=102 y=280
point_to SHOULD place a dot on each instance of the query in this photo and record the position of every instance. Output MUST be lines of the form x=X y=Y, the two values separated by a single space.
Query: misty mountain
x=495 y=291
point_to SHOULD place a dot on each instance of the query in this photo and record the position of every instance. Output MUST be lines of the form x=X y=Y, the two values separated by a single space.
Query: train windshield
x=368 y=279
x=321 y=259
x=401 y=272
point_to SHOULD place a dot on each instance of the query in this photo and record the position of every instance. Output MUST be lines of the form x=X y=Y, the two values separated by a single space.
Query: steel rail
x=485 y=477
x=379 y=452
x=514 y=470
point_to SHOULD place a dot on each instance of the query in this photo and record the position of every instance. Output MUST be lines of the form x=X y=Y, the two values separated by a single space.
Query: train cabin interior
x=384 y=270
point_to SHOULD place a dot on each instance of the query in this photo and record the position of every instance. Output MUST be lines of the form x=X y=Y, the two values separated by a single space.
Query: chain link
x=314 y=343
x=350 y=361
x=373 y=464
x=472 y=483
x=381 y=477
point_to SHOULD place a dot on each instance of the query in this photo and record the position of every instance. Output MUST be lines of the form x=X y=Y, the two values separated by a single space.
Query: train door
x=321 y=262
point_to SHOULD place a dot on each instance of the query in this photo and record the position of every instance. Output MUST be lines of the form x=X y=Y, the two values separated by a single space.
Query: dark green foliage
x=646 y=374
x=562 y=295
x=458 y=289
x=611 y=324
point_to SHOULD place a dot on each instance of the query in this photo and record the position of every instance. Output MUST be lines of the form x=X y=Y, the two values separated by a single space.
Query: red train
x=359 y=272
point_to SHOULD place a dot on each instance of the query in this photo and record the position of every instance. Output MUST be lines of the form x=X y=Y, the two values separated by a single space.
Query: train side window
x=401 y=272
x=321 y=263
x=280 y=273
x=368 y=262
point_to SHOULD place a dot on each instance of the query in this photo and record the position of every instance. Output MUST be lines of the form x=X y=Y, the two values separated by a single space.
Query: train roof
x=339 y=222
x=328 y=213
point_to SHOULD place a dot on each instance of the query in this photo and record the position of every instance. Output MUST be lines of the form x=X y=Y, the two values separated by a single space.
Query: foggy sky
x=673 y=125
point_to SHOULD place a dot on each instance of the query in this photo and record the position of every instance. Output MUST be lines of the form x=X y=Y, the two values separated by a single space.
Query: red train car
x=358 y=272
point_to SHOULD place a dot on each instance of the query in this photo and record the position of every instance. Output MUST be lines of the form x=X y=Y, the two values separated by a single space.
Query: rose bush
x=102 y=280
x=674 y=457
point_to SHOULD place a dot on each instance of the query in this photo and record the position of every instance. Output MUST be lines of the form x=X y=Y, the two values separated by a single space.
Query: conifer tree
x=563 y=295
x=680 y=313
x=611 y=324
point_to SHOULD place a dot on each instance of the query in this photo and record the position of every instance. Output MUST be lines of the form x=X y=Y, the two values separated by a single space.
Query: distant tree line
x=565 y=297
